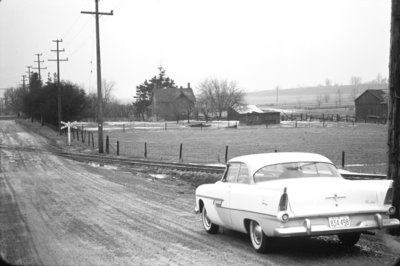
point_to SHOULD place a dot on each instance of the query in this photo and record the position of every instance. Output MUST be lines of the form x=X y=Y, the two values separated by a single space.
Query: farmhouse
x=173 y=103
x=372 y=106
x=252 y=115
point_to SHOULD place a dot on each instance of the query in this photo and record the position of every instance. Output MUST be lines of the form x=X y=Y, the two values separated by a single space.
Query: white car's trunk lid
x=308 y=196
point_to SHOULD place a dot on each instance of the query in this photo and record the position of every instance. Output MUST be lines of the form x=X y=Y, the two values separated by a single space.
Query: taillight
x=283 y=202
x=389 y=197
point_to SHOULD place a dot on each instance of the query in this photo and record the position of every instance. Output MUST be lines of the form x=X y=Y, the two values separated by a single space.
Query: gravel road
x=56 y=211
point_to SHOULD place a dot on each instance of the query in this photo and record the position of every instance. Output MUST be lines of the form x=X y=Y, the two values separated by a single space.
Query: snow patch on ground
x=158 y=176
x=108 y=167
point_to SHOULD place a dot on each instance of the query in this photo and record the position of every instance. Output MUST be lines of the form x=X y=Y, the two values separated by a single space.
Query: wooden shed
x=372 y=106
x=252 y=115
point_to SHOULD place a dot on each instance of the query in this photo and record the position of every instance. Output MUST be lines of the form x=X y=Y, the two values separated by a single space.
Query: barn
x=252 y=115
x=173 y=103
x=372 y=106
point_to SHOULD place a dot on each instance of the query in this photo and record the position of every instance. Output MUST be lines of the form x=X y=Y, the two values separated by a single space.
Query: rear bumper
x=309 y=229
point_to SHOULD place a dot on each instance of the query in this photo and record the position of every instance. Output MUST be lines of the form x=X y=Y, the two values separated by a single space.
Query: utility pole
x=29 y=76
x=394 y=109
x=23 y=82
x=39 y=68
x=99 y=93
x=58 y=80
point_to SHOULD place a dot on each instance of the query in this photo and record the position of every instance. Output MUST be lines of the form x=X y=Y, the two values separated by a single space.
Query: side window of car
x=232 y=173
x=243 y=177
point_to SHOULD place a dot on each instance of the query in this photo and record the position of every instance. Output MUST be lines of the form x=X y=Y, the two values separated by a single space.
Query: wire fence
x=219 y=142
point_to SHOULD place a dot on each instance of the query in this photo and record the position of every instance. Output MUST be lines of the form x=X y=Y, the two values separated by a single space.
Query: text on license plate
x=337 y=222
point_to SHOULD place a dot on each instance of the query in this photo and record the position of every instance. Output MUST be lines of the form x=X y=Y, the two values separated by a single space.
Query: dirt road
x=55 y=211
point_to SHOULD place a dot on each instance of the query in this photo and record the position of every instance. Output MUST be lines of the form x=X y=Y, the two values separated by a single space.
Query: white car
x=293 y=194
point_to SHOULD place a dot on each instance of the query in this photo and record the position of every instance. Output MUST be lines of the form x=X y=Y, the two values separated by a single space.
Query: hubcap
x=205 y=219
x=257 y=233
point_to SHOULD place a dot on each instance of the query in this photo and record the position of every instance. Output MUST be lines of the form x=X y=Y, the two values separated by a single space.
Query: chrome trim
x=207 y=197
x=313 y=230
x=379 y=220
x=352 y=213
x=307 y=225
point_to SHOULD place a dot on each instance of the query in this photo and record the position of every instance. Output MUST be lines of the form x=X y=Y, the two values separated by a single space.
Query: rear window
x=295 y=170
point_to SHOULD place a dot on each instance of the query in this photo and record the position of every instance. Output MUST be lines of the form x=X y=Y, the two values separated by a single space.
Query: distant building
x=252 y=115
x=372 y=106
x=173 y=103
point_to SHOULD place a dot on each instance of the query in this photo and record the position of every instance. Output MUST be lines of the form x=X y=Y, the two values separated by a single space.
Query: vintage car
x=293 y=194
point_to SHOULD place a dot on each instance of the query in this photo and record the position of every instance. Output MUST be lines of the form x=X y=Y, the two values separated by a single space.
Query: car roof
x=256 y=161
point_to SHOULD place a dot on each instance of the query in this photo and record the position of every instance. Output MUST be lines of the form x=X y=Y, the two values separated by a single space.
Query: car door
x=222 y=206
x=240 y=197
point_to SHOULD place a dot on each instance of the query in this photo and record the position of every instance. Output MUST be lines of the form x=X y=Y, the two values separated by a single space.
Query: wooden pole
x=343 y=159
x=107 y=145
x=226 y=154
x=393 y=171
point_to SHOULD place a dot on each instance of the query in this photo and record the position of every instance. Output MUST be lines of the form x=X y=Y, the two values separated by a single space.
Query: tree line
x=39 y=100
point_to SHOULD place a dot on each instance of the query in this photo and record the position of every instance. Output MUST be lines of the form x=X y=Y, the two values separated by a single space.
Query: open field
x=364 y=144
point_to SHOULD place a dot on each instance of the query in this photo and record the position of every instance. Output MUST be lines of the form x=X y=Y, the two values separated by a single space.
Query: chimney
x=188 y=85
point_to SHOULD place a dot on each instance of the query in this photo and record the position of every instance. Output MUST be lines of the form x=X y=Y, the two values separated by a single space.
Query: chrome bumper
x=308 y=229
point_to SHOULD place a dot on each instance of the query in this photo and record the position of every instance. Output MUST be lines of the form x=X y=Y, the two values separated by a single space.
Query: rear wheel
x=207 y=224
x=258 y=238
x=349 y=239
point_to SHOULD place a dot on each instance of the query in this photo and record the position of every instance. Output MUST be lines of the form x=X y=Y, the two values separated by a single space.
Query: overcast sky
x=260 y=44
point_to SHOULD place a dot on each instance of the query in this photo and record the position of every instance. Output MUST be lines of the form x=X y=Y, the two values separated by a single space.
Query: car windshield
x=295 y=170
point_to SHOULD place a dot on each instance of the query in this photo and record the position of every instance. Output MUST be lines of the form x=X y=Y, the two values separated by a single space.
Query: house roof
x=251 y=108
x=247 y=109
x=381 y=95
x=170 y=94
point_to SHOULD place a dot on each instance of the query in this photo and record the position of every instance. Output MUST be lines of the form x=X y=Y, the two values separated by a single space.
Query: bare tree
x=220 y=95
x=339 y=97
x=319 y=100
x=107 y=86
x=13 y=99
x=327 y=97
x=355 y=82
x=328 y=82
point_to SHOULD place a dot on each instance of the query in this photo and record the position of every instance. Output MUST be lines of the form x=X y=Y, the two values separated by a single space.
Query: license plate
x=338 y=222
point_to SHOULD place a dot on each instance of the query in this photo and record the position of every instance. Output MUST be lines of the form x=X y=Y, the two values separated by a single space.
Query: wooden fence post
x=180 y=152
x=107 y=145
x=123 y=127
x=343 y=159
x=117 y=148
x=77 y=134
x=226 y=154
x=92 y=139
x=145 y=150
